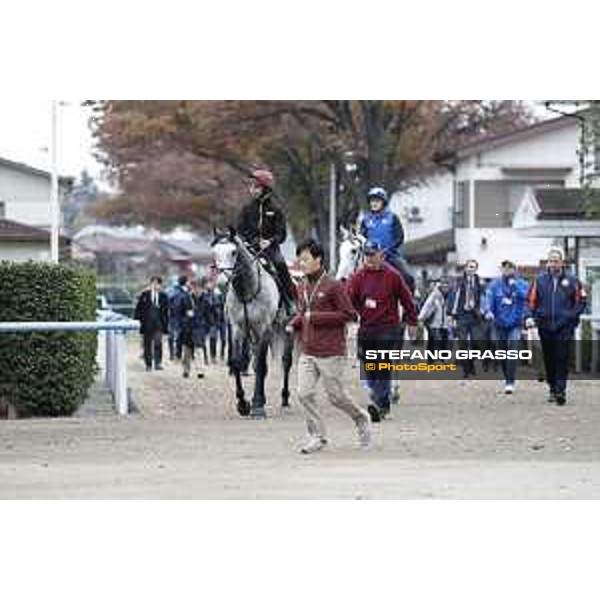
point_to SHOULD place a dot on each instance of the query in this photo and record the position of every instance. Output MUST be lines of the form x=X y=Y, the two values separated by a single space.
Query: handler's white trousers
x=330 y=370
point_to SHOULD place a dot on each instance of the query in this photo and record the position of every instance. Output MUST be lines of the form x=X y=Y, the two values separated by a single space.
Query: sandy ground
x=445 y=440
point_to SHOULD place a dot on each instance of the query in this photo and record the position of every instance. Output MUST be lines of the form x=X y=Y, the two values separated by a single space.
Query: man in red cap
x=262 y=225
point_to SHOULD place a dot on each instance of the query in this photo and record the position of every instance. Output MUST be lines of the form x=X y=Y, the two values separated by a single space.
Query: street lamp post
x=54 y=201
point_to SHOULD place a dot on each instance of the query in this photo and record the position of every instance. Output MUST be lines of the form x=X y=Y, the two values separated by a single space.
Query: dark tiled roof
x=567 y=204
x=433 y=247
x=19 y=232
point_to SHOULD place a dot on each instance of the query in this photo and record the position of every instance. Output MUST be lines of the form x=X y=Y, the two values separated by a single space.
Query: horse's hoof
x=258 y=412
x=243 y=408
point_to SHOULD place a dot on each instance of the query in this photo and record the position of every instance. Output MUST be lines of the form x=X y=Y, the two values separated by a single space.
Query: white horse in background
x=350 y=253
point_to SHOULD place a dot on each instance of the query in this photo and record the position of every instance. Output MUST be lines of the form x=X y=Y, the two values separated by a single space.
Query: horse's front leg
x=286 y=362
x=260 y=369
x=235 y=369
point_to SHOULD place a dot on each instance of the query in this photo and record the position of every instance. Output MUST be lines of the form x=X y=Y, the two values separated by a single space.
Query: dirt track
x=445 y=440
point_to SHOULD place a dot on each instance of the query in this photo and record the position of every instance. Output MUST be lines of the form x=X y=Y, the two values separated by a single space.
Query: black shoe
x=148 y=368
x=200 y=375
x=374 y=413
x=186 y=375
x=561 y=398
x=158 y=368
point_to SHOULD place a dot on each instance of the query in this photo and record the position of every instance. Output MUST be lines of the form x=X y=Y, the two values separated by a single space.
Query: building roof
x=103 y=243
x=17 y=166
x=494 y=141
x=567 y=203
x=431 y=248
x=517 y=135
x=19 y=232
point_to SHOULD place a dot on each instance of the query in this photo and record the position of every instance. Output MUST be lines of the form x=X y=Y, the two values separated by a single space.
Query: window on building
x=2 y=210
x=461 y=204
x=497 y=201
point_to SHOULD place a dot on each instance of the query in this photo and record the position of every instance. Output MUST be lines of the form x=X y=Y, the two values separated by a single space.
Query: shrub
x=46 y=373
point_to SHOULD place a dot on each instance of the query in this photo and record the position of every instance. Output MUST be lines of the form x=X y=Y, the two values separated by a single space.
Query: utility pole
x=332 y=219
x=54 y=201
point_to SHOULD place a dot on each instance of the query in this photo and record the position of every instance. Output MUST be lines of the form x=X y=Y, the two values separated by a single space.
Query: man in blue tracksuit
x=506 y=306
x=383 y=227
x=556 y=300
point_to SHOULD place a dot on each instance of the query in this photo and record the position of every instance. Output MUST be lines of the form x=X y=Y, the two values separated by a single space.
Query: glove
x=489 y=315
x=529 y=323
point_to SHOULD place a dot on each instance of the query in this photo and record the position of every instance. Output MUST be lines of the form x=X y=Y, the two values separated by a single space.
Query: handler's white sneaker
x=314 y=444
x=509 y=388
x=365 y=436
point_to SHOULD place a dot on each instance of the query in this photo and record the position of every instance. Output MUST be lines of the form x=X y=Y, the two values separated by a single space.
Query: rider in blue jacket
x=382 y=226
x=506 y=306
x=556 y=300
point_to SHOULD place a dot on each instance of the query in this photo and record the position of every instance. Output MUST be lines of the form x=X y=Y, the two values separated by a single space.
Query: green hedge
x=46 y=373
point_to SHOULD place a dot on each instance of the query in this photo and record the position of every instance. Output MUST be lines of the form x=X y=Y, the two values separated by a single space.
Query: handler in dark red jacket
x=323 y=311
x=375 y=291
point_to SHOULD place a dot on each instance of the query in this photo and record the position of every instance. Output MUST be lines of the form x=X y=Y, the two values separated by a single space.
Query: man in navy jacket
x=152 y=311
x=556 y=300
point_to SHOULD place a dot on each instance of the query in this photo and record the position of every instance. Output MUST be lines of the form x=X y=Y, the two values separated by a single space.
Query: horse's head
x=225 y=251
x=350 y=253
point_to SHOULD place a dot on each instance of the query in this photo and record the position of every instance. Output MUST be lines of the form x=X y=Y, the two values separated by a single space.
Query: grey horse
x=252 y=305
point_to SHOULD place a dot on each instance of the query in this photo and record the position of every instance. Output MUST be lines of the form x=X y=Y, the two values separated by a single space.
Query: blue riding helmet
x=372 y=247
x=377 y=192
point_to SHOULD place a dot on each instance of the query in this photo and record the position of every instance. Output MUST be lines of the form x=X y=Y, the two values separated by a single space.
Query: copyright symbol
x=370 y=366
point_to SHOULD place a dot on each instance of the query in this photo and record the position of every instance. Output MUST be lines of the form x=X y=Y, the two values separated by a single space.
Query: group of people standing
x=380 y=296
x=481 y=316
x=191 y=314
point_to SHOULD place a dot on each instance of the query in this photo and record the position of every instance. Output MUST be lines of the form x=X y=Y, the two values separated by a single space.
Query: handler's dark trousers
x=556 y=346
x=380 y=385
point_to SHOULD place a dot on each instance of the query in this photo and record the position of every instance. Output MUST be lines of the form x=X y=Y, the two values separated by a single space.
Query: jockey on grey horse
x=262 y=226
x=252 y=305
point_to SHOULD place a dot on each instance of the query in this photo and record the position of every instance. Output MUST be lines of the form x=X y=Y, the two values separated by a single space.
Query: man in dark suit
x=152 y=311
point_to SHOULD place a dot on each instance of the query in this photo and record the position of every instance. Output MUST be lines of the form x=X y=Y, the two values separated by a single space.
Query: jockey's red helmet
x=263 y=177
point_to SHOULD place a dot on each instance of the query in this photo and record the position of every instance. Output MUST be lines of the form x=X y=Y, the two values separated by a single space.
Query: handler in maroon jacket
x=323 y=311
x=375 y=291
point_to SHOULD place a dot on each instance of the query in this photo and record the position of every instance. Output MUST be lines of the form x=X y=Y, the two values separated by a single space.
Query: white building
x=466 y=208
x=25 y=201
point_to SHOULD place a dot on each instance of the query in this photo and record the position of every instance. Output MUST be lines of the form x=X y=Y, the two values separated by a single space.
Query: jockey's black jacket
x=262 y=219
